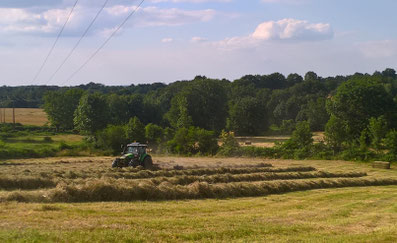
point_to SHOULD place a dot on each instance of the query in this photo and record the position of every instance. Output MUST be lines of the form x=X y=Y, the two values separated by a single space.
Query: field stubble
x=355 y=214
x=92 y=180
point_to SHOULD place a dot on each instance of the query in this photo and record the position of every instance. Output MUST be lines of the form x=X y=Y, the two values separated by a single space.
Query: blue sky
x=169 y=40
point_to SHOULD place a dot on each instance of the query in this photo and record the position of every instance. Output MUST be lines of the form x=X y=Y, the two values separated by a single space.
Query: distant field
x=269 y=141
x=27 y=116
x=355 y=214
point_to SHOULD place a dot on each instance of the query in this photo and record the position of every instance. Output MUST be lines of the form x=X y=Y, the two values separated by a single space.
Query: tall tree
x=206 y=104
x=91 y=114
x=135 y=130
x=247 y=117
x=357 y=100
x=60 y=107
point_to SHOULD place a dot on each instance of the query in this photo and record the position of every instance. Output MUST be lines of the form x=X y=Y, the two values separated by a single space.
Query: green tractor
x=134 y=155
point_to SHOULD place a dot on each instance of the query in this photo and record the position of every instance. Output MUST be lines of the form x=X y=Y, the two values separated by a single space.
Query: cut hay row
x=29 y=183
x=97 y=172
x=207 y=171
x=103 y=191
x=25 y=183
x=267 y=176
x=245 y=165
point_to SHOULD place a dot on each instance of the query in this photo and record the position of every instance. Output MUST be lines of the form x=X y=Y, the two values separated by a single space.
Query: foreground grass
x=348 y=214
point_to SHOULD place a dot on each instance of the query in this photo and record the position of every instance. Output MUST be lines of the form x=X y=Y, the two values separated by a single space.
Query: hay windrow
x=26 y=183
x=205 y=171
x=265 y=176
x=97 y=191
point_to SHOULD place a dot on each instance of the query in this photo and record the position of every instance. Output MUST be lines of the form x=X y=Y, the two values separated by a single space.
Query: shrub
x=111 y=138
x=229 y=145
x=193 y=141
x=354 y=153
x=47 y=139
x=63 y=145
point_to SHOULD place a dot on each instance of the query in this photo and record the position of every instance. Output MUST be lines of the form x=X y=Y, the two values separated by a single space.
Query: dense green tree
x=391 y=142
x=356 y=101
x=60 y=107
x=206 y=103
x=154 y=134
x=178 y=116
x=389 y=73
x=91 y=114
x=302 y=136
x=135 y=130
x=118 y=109
x=336 y=131
x=315 y=113
x=247 y=117
x=293 y=79
x=377 y=130
x=311 y=76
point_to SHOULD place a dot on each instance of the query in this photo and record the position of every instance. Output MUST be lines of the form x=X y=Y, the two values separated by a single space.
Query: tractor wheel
x=148 y=163
x=115 y=163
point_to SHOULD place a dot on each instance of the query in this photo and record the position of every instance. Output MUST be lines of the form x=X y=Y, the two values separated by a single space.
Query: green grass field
x=355 y=214
x=39 y=145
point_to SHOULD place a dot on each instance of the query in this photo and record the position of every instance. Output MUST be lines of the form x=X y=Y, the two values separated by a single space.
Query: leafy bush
x=193 y=141
x=111 y=138
x=47 y=139
x=229 y=145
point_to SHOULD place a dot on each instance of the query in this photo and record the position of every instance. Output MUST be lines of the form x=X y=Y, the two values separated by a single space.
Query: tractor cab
x=135 y=149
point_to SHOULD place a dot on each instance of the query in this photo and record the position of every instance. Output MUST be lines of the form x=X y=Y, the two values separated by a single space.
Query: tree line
x=355 y=110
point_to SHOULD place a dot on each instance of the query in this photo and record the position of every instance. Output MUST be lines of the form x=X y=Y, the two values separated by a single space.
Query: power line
x=55 y=43
x=106 y=41
x=79 y=41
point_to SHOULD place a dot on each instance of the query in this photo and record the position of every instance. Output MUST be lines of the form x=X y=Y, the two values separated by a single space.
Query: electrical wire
x=78 y=42
x=55 y=43
x=106 y=41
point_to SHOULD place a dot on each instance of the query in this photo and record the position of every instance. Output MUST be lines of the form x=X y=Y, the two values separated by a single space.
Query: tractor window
x=132 y=150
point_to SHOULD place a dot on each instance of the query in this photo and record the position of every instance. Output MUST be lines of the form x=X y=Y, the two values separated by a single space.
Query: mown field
x=189 y=199
x=26 y=116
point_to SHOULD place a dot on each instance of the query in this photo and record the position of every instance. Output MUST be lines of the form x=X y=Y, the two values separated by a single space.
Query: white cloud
x=285 y=30
x=198 y=39
x=167 y=40
x=48 y=22
x=292 y=29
